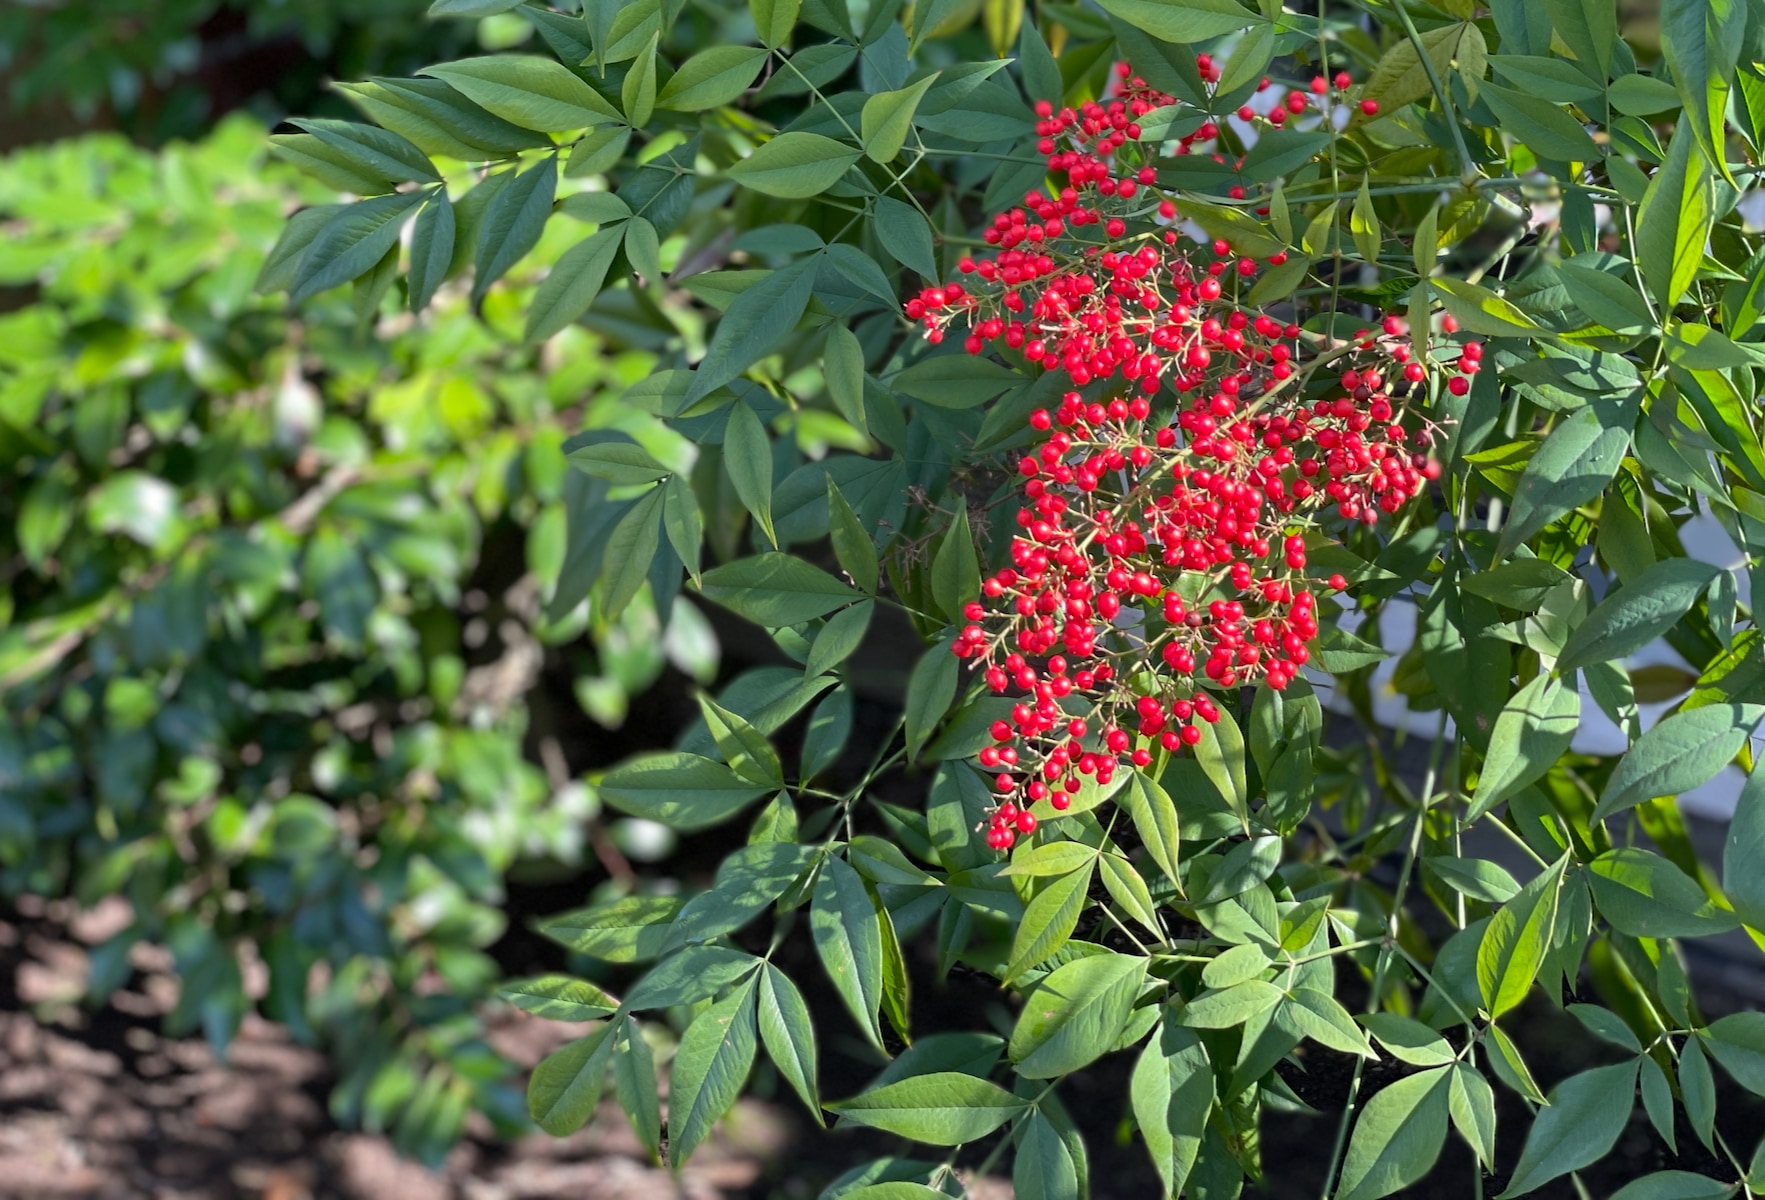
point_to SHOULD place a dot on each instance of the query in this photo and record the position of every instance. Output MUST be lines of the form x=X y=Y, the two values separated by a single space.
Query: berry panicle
x=1170 y=501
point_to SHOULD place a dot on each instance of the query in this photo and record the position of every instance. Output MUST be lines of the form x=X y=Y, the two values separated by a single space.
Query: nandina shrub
x=1231 y=341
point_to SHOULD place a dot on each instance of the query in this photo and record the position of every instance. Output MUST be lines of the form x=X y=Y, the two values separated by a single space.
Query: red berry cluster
x=1161 y=553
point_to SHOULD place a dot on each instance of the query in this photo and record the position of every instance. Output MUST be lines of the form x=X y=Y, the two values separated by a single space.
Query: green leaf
x=716 y=1053
x=1579 y=1127
x=774 y=19
x=470 y=8
x=1744 y=849
x=535 y=93
x=776 y=590
x=573 y=283
x=1128 y=889
x=1038 y=68
x=1048 y=922
x=887 y=119
x=711 y=78
x=1317 y=1014
x=1574 y=465
x=638 y=93
x=1698 y=1087
x=1674 y=1185
x=956 y=568
x=1644 y=895
x=1637 y=613
x=350 y=244
x=439 y=120
x=682 y=791
x=843 y=920
x=1522 y=583
x=1510 y=1068
x=747 y=456
x=1479 y=310
x=688 y=976
x=373 y=152
x=1533 y=731
x=1227 y=1007
x=1397 y=1137
x=906 y=235
x=630 y=929
x=794 y=166
x=1155 y=819
x=1043 y=1168
x=954 y=380
x=1172 y=1091
x=1074 y=1015
x=843 y=367
x=1677 y=754
x=851 y=544
x=930 y=691
x=1738 y=1043
x=513 y=223
x=1363 y=222
x=566 y=1085
x=327 y=164
x=789 y=1034
x=432 y=248
x=1471 y=1101
x=1516 y=941
x=755 y=322
x=1674 y=220
x=1657 y=1100
x=634 y=1082
x=1474 y=877
x=1606 y=298
x=1050 y=858
x=1182 y=21
x=1409 y=1040
x=1244 y=866
x=622 y=463
x=1701 y=41
x=1603 y=1022
x=630 y=552
x=839 y=638
x=945 y=1108
x=747 y=882
x=1546 y=129
x=558 y=998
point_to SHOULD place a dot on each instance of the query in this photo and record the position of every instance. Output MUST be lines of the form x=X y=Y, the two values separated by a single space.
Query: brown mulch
x=100 y=1105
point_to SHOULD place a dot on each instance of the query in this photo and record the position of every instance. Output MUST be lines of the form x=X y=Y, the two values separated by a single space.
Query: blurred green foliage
x=257 y=673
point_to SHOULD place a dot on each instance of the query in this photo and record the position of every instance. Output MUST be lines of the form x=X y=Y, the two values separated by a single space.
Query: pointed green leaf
x=566 y=1085
x=573 y=283
x=432 y=248
x=711 y=78
x=1472 y=1103
x=513 y=223
x=794 y=166
x=776 y=590
x=1533 y=731
x=747 y=882
x=945 y=1108
x=1674 y=220
x=1515 y=943
x=956 y=569
x=350 y=244
x=843 y=921
x=684 y=791
x=887 y=119
x=1397 y=1137
x=753 y=324
x=1637 y=613
x=1074 y=1015
x=716 y=1053
x=1678 y=754
x=747 y=456
x=558 y=998
x=1048 y=922
x=529 y=91
x=789 y=1034
x=1172 y=1091
x=1644 y=895
x=1579 y=1127
x=1155 y=819
x=634 y=1082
